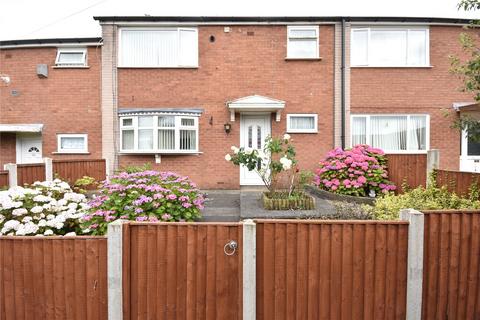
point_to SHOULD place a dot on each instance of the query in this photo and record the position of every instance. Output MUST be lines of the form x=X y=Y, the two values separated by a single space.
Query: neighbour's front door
x=29 y=148
x=253 y=130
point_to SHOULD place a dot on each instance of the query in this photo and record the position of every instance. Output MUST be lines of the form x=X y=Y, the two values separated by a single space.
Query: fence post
x=414 y=262
x=433 y=162
x=114 y=267
x=48 y=169
x=249 y=269
x=12 y=174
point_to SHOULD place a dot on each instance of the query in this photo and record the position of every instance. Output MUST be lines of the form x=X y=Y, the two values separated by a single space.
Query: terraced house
x=178 y=92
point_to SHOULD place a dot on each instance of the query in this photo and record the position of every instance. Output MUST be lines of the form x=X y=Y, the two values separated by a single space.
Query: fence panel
x=53 y=278
x=457 y=181
x=331 y=269
x=29 y=173
x=451 y=278
x=71 y=170
x=180 y=271
x=409 y=168
x=3 y=179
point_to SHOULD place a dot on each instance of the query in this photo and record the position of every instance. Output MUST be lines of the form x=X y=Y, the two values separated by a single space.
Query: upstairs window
x=158 y=47
x=71 y=57
x=302 y=42
x=392 y=133
x=159 y=134
x=390 y=47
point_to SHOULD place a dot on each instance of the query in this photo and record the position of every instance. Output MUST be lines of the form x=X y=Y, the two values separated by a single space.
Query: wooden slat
x=29 y=173
x=71 y=170
x=407 y=168
x=458 y=182
x=3 y=179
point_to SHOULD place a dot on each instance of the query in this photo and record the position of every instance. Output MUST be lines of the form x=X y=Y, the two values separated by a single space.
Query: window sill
x=71 y=67
x=305 y=59
x=67 y=153
x=177 y=153
x=171 y=67
x=406 y=152
x=302 y=132
x=392 y=67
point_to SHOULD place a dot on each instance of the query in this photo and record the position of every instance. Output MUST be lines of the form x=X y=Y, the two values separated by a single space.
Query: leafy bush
x=350 y=211
x=421 y=198
x=144 y=196
x=360 y=171
x=44 y=208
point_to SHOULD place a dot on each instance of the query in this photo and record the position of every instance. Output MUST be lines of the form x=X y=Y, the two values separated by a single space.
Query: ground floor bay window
x=404 y=133
x=159 y=132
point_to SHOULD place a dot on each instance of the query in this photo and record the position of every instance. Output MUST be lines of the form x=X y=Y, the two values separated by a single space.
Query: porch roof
x=32 y=127
x=465 y=106
x=255 y=103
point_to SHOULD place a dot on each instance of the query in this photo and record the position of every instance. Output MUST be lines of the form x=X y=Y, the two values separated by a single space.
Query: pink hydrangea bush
x=144 y=196
x=359 y=171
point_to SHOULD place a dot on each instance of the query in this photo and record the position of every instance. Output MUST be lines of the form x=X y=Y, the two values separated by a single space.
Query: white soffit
x=467 y=106
x=255 y=103
x=35 y=127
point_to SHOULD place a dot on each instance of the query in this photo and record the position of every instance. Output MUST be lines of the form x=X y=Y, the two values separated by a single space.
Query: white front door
x=29 y=147
x=253 y=130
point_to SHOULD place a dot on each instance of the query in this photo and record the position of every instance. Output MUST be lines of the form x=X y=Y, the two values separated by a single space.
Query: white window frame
x=178 y=29
x=393 y=28
x=155 y=150
x=312 y=115
x=317 y=32
x=83 y=63
x=368 y=130
x=72 y=135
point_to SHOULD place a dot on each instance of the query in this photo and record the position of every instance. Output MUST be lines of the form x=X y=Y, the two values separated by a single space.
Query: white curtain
x=359 y=43
x=166 y=139
x=388 y=47
x=72 y=143
x=417 y=51
x=359 y=130
x=127 y=139
x=417 y=133
x=302 y=123
x=188 y=140
x=389 y=132
x=145 y=133
x=70 y=58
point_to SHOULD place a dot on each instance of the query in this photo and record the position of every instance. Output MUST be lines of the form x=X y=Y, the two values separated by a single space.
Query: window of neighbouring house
x=159 y=134
x=392 y=133
x=72 y=143
x=302 y=42
x=390 y=46
x=158 y=47
x=71 y=57
x=302 y=123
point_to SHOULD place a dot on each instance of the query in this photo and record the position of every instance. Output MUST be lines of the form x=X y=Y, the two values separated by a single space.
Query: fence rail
x=53 y=278
x=71 y=170
x=29 y=173
x=407 y=168
x=457 y=181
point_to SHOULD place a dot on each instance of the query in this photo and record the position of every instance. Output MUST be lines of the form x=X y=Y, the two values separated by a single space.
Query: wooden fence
x=29 y=173
x=457 y=181
x=331 y=269
x=180 y=271
x=407 y=168
x=3 y=179
x=71 y=170
x=451 y=278
x=53 y=278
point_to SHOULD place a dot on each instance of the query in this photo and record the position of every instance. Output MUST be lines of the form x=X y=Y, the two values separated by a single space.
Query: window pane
x=359 y=47
x=145 y=139
x=250 y=136
x=188 y=47
x=188 y=140
x=473 y=148
x=166 y=121
x=389 y=132
x=359 y=130
x=127 y=122
x=72 y=143
x=166 y=139
x=127 y=139
x=70 y=58
x=302 y=123
x=418 y=133
x=145 y=122
x=259 y=137
x=188 y=122
x=388 y=47
x=303 y=33
x=417 y=51
x=300 y=48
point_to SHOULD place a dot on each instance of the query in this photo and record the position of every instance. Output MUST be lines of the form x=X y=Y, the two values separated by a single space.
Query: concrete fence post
x=415 y=262
x=249 y=269
x=114 y=269
x=48 y=169
x=12 y=174
x=433 y=162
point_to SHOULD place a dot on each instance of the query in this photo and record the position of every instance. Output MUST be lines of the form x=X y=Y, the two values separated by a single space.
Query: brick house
x=177 y=92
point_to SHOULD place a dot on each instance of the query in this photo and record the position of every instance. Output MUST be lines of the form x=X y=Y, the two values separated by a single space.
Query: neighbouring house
x=178 y=92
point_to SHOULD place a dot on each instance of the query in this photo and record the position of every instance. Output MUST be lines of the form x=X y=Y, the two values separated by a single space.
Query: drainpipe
x=342 y=137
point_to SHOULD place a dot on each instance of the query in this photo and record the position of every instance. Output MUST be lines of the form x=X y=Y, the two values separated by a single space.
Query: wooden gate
x=180 y=271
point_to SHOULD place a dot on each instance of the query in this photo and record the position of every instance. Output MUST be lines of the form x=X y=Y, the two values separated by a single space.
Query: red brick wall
x=234 y=66
x=418 y=90
x=68 y=101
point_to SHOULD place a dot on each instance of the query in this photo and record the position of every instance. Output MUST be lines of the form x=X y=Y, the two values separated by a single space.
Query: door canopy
x=256 y=103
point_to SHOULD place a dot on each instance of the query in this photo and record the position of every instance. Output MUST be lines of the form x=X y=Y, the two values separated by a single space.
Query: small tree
x=277 y=156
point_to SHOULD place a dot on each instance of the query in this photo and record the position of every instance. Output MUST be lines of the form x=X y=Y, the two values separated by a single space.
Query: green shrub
x=350 y=211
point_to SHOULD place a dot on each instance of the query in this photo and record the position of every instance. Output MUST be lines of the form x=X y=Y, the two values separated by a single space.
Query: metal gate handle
x=230 y=248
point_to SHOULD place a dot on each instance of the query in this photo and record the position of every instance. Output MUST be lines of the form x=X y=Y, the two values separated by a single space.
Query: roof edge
x=49 y=41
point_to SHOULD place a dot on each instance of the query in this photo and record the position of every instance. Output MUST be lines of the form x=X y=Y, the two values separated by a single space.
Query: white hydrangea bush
x=43 y=208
